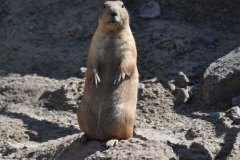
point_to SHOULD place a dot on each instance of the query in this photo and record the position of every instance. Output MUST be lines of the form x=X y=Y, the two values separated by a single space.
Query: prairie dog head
x=113 y=16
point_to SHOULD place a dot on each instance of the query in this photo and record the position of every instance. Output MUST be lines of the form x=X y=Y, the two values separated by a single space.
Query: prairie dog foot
x=94 y=78
x=111 y=143
x=84 y=138
x=119 y=77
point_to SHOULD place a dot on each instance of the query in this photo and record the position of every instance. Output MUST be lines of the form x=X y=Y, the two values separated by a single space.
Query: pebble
x=82 y=72
x=213 y=115
x=196 y=130
x=182 y=80
x=141 y=88
x=236 y=101
x=150 y=10
x=234 y=114
x=172 y=87
x=208 y=36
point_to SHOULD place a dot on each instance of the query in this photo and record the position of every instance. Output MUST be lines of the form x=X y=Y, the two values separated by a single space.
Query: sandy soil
x=43 y=44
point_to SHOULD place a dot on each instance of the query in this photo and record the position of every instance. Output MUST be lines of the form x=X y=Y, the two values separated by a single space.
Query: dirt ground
x=44 y=43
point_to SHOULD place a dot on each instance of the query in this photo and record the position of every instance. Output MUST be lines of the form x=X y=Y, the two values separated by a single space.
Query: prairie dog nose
x=113 y=14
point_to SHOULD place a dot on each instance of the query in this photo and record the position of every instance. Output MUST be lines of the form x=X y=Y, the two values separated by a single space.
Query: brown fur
x=108 y=106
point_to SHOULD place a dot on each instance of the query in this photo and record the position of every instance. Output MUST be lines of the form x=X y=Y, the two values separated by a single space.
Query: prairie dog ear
x=121 y=4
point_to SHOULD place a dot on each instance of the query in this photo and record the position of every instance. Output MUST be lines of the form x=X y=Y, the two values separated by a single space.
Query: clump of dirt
x=43 y=44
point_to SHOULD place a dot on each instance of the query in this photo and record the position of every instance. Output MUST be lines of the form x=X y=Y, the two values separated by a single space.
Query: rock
x=171 y=86
x=236 y=101
x=208 y=36
x=150 y=10
x=182 y=95
x=213 y=115
x=196 y=130
x=141 y=88
x=221 y=80
x=82 y=72
x=182 y=80
x=234 y=114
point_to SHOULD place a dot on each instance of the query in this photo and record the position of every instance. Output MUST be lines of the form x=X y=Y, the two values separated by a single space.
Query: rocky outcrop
x=222 y=80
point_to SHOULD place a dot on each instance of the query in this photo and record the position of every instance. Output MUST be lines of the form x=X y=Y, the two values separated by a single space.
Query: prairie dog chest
x=111 y=48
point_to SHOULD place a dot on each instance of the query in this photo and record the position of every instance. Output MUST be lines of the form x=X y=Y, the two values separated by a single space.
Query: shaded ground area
x=44 y=43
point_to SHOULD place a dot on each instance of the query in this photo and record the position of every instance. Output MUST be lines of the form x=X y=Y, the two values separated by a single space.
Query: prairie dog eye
x=123 y=6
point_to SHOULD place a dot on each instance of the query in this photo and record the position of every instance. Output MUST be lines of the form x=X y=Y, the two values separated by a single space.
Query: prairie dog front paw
x=94 y=78
x=118 y=78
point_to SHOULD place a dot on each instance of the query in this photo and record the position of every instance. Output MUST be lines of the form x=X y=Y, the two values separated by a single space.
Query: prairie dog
x=108 y=107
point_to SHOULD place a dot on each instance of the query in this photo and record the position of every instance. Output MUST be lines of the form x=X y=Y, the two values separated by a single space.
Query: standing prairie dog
x=108 y=107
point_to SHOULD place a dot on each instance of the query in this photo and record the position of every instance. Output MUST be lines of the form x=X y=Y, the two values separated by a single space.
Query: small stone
x=233 y=113
x=182 y=80
x=196 y=129
x=236 y=101
x=141 y=88
x=172 y=87
x=213 y=115
x=208 y=36
x=82 y=72
x=150 y=10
